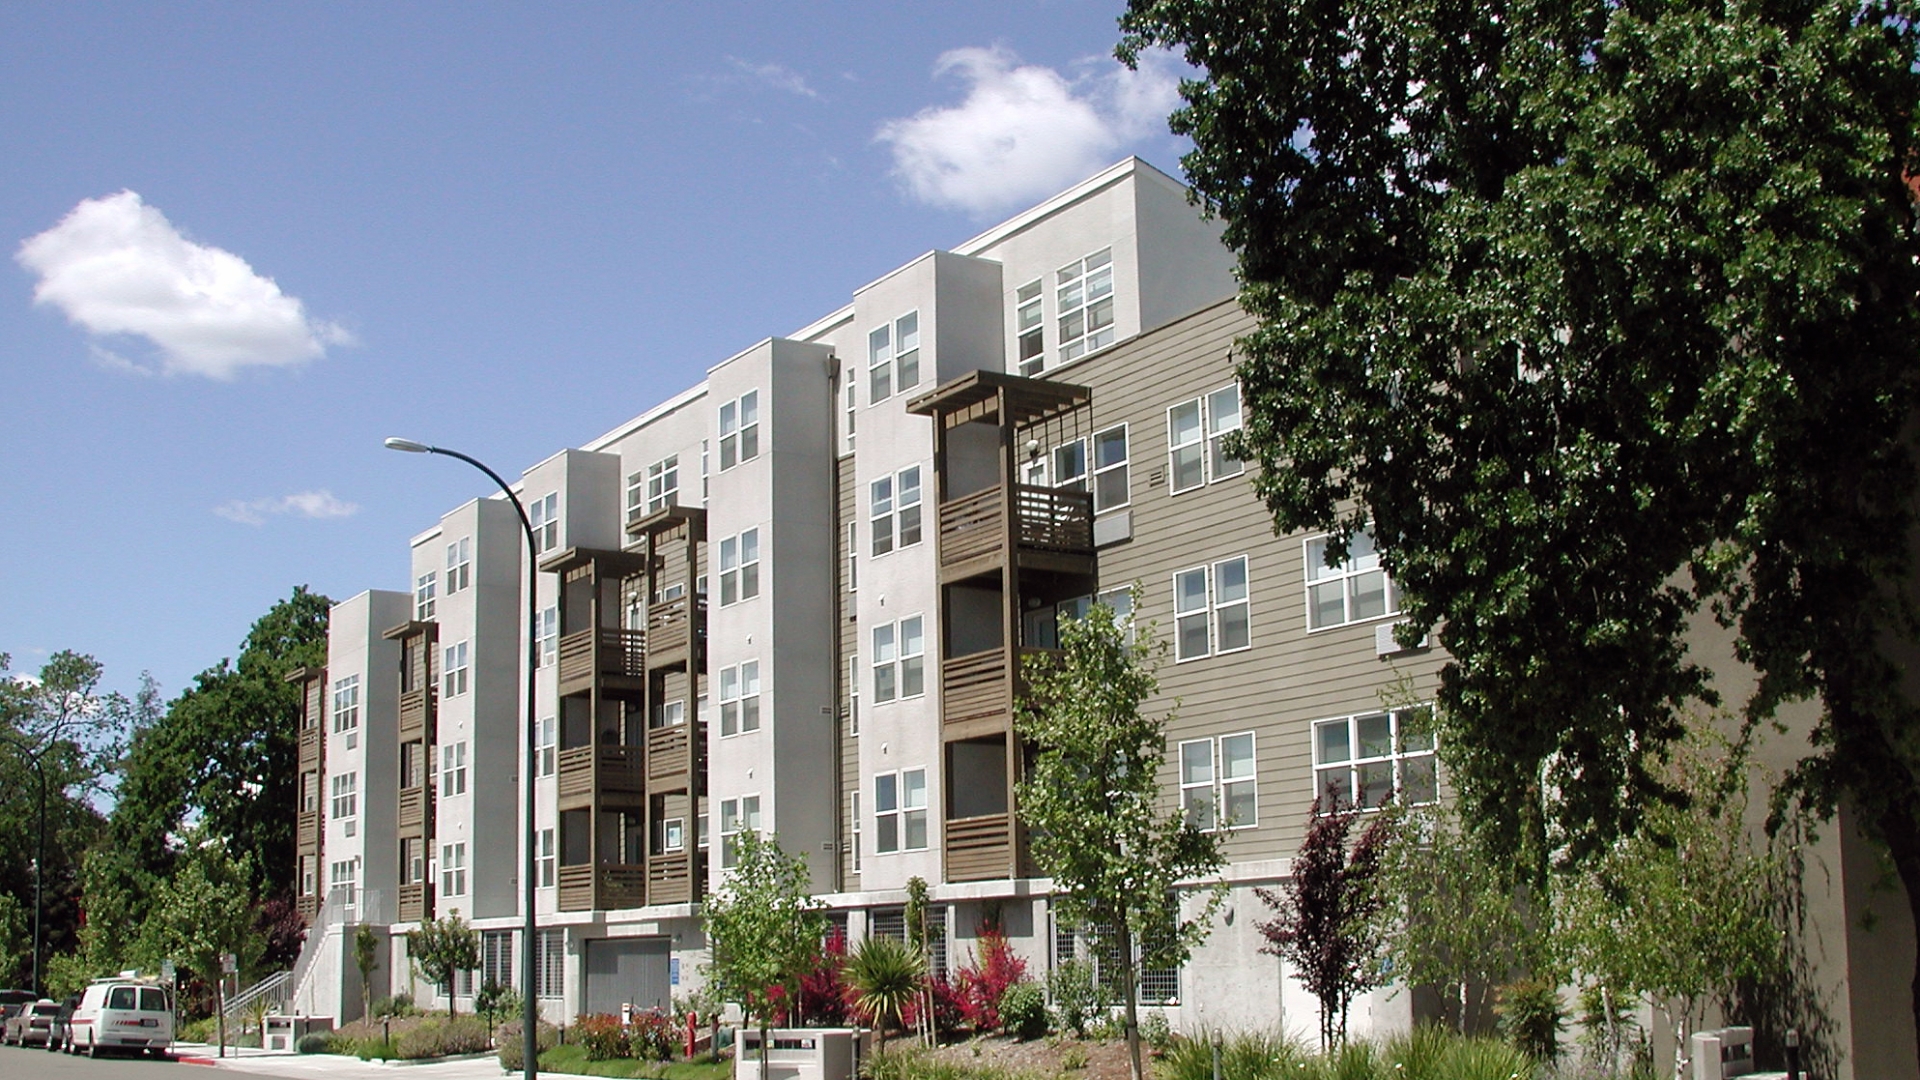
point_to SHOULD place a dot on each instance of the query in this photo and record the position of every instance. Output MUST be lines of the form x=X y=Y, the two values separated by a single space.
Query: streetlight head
x=408 y=445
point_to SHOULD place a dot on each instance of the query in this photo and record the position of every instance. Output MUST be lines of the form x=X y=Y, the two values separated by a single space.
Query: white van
x=122 y=1014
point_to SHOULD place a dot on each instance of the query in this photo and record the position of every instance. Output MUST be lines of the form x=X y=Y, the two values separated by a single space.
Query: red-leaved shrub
x=980 y=984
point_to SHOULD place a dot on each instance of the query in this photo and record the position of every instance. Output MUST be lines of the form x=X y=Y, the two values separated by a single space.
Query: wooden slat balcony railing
x=586 y=887
x=416 y=902
x=979 y=848
x=1053 y=519
x=601 y=652
x=308 y=906
x=976 y=685
x=411 y=812
x=609 y=769
x=970 y=525
x=670 y=755
x=670 y=626
x=306 y=829
x=670 y=878
x=576 y=771
x=310 y=745
x=414 y=707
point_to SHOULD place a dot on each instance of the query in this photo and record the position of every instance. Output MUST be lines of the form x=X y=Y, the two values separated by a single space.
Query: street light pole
x=529 y=1017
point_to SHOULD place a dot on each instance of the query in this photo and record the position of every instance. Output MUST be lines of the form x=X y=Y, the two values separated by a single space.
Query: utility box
x=799 y=1054
x=283 y=1033
x=1724 y=1053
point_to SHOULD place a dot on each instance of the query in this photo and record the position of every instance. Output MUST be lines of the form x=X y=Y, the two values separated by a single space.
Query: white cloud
x=306 y=504
x=117 y=266
x=777 y=76
x=1025 y=131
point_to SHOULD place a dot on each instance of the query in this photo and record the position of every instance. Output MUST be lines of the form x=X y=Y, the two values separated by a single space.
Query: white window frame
x=1403 y=750
x=550 y=963
x=424 y=588
x=549 y=859
x=737 y=816
x=853 y=556
x=453 y=769
x=344 y=806
x=549 y=747
x=739 y=698
x=1225 y=603
x=899 y=807
x=1084 y=305
x=455 y=667
x=453 y=869
x=893 y=357
x=346 y=710
x=1105 y=475
x=850 y=409
x=547 y=632
x=1202 y=446
x=739 y=430
x=893 y=510
x=543 y=515
x=1214 y=774
x=1358 y=567
x=460 y=565
x=1220 y=425
x=663 y=483
x=853 y=833
x=902 y=673
x=853 y=694
x=1030 y=328
x=740 y=567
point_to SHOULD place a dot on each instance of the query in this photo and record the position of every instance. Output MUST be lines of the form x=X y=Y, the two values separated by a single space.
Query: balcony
x=981 y=849
x=415 y=707
x=670 y=878
x=310 y=747
x=306 y=830
x=1052 y=530
x=976 y=695
x=588 y=773
x=671 y=631
x=308 y=906
x=587 y=887
x=615 y=658
x=671 y=753
x=416 y=902
x=411 y=813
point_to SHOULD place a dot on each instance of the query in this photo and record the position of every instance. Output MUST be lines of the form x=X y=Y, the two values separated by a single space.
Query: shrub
x=374 y=1048
x=496 y=1003
x=1073 y=1058
x=509 y=1042
x=442 y=1038
x=823 y=991
x=315 y=1042
x=1244 y=1056
x=1076 y=1000
x=1023 y=1010
x=982 y=984
x=883 y=979
x=204 y=1030
x=651 y=1036
x=1157 y=1032
x=947 y=1012
x=601 y=1035
x=913 y=1062
x=1531 y=1017
x=397 y=1005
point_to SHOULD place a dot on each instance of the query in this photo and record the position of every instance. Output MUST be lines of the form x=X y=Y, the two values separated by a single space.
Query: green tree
x=884 y=977
x=1552 y=297
x=201 y=914
x=764 y=931
x=441 y=948
x=1099 y=823
x=366 y=958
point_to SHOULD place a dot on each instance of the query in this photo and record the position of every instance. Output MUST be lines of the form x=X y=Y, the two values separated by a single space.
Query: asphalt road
x=27 y=1063
x=33 y=1063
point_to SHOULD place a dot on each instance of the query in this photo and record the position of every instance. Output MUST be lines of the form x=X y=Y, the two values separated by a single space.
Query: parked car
x=121 y=1014
x=11 y=1001
x=59 y=1032
x=31 y=1025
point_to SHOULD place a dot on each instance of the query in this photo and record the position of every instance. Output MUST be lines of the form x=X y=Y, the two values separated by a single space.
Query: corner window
x=544 y=515
x=1210 y=610
x=1030 y=324
x=894 y=510
x=459 y=565
x=899 y=660
x=740 y=567
x=423 y=590
x=453 y=670
x=1218 y=788
x=740 y=430
x=740 y=699
x=900 y=811
x=1367 y=761
x=346 y=710
x=1355 y=589
x=547 y=634
x=1083 y=298
x=893 y=358
x=850 y=409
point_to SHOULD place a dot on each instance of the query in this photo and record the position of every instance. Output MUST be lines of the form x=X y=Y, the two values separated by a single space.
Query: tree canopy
x=1599 y=316
x=764 y=931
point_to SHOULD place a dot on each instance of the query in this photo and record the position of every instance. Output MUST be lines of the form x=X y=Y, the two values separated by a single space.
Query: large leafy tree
x=1596 y=314
x=1100 y=827
x=764 y=931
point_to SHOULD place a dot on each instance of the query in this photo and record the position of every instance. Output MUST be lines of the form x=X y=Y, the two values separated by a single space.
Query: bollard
x=1793 y=1054
x=1216 y=1056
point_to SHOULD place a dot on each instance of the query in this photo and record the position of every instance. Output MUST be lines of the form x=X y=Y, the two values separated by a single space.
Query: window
x=1083 y=297
x=459 y=564
x=1223 y=419
x=453 y=869
x=853 y=556
x=1110 y=469
x=1217 y=786
x=1070 y=465
x=850 y=404
x=1186 y=456
x=547 y=633
x=853 y=694
x=1030 y=323
x=893 y=357
x=549 y=859
x=669 y=836
x=308 y=875
x=550 y=963
x=853 y=837
x=740 y=567
x=894 y=509
x=346 y=710
x=1370 y=760
x=453 y=769
x=663 y=483
x=669 y=714
x=496 y=958
x=1197 y=432
x=740 y=698
x=1210 y=610
x=342 y=875
x=423 y=590
x=309 y=791
x=346 y=800
x=900 y=811
x=413 y=860
x=544 y=515
x=740 y=430
x=453 y=670
x=1355 y=589
x=1158 y=986
x=549 y=751
x=899 y=660
x=737 y=816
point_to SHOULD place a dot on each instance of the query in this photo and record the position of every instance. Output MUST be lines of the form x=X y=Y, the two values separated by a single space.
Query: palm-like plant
x=883 y=976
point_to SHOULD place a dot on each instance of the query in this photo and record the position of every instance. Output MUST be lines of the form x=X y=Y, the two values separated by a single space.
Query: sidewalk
x=336 y=1066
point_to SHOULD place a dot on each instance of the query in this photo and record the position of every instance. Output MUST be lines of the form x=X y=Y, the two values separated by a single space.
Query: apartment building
x=797 y=597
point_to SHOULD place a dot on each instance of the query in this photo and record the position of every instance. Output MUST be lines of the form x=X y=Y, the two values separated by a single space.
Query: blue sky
x=250 y=240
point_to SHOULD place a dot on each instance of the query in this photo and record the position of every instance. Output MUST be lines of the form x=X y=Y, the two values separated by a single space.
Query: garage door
x=622 y=970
